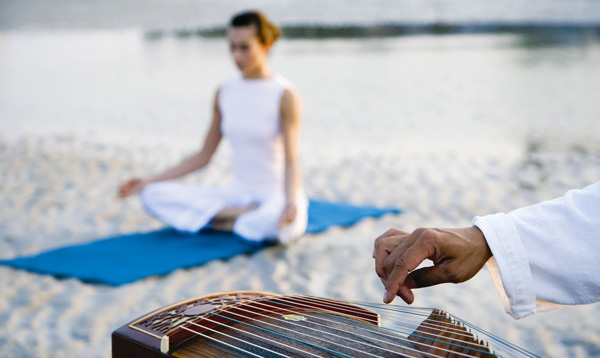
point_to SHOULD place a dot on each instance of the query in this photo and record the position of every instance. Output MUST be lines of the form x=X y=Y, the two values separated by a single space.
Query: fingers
x=382 y=247
x=287 y=217
x=406 y=257
x=130 y=187
x=283 y=221
x=429 y=276
x=403 y=265
x=291 y=216
x=457 y=255
x=425 y=277
x=406 y=294
x=124 y=190
x=391 y=232
x=381 y=254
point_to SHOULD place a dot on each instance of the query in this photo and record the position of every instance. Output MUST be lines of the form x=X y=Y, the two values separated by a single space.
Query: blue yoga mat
x=127 y=258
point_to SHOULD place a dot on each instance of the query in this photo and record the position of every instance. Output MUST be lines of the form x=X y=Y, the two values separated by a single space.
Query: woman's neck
x=261 y=72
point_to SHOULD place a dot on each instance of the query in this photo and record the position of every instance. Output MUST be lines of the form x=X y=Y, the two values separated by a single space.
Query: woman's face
x=247 y=51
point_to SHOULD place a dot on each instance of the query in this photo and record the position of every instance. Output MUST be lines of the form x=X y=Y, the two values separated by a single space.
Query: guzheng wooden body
x=254 y=324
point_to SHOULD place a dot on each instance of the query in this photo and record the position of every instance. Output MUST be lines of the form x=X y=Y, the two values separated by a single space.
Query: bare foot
x=225 y=218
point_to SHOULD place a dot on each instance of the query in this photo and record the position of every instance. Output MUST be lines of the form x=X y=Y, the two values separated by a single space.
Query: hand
x=132 y=186
x=288 y=215
x=457 y=255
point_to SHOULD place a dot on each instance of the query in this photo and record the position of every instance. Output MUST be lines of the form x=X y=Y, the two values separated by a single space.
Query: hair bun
x=266 y=31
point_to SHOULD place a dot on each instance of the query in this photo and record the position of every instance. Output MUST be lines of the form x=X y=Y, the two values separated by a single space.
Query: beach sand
x=60 y=190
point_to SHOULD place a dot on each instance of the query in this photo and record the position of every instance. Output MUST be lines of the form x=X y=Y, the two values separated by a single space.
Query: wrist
x=478 y=237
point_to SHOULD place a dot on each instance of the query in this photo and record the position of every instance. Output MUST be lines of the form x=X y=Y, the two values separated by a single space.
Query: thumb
x=428 y=276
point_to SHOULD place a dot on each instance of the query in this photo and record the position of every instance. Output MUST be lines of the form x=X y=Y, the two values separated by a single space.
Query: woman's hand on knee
x=288 y=215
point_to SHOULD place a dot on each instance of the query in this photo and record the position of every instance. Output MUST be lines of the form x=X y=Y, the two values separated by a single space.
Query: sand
x=60 y=190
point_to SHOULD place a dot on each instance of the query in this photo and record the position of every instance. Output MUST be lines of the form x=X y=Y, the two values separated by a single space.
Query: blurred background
x=521 y=73
x=446 y=109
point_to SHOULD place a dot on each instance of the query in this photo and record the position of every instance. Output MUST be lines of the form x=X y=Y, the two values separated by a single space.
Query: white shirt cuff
x=509 y=266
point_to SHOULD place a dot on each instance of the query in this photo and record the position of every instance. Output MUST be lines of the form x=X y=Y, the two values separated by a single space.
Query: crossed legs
x=225 y=218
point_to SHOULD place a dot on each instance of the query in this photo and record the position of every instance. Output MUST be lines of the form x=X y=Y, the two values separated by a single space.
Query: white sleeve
x=548 y=254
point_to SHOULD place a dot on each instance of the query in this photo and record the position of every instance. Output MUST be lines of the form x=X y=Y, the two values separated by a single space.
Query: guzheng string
x=292 y=338
x=440 y=327
x=262 y=337
x=405 y=315
x=246 y=342
x=321 y=331
x=442 y=339
x=285 y=336
x=364 y=328
x=319 y=338
x=404 y=312
x=404 y=320
x=417 y=313
x=225 y=343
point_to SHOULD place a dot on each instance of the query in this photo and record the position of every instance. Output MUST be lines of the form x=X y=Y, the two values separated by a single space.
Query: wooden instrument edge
x=160 y=345
x=163 y=343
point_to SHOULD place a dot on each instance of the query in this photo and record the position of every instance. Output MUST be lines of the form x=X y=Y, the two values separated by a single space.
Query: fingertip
x=406 y=294
x=386 y=297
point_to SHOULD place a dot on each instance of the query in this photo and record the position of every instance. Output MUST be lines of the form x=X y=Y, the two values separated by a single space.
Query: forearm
x=188 y=165
x=201 y=158
x=290 y=119
x=292 y=182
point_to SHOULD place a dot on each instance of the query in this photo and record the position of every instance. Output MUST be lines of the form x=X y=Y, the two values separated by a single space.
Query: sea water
x=375 y=94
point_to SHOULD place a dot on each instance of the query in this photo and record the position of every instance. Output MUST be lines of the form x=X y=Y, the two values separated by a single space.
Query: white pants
x=189 y=208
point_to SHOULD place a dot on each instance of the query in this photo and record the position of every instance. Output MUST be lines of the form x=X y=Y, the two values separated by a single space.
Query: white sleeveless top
x=251 y=120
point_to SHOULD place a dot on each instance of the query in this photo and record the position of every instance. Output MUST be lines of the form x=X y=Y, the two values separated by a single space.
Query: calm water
x=520 y=73
x=379 y=93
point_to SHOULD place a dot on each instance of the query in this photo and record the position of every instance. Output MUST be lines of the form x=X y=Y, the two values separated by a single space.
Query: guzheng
x=255 y=324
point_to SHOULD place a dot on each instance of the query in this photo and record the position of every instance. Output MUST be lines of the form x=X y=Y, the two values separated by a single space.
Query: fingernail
x=385 y=297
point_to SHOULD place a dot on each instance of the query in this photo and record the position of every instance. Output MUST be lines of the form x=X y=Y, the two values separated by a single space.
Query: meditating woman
x=259 y=112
